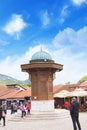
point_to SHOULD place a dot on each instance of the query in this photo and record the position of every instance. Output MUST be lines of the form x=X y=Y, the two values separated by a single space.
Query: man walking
x=74 y=112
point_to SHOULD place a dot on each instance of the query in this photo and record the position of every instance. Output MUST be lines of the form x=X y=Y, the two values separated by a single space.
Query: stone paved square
x=48 y=124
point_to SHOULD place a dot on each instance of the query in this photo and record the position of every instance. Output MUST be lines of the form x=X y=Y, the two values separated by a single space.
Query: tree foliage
x=84 y=78
x=67 y=83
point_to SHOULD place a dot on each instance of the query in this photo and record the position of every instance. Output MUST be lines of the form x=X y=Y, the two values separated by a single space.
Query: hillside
x=4 y=80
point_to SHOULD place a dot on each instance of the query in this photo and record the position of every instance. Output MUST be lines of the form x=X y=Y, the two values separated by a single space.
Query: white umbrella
x=79 y=92
x=62 y=94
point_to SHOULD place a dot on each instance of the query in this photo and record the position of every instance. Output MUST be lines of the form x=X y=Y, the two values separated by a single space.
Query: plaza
x=63 y=122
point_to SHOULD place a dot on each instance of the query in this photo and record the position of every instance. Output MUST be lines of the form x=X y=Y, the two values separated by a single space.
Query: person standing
x=74 y=112
x=23 y=109
x=2 y=115
x=67 y=105
x=28 y=107
x=12 y=108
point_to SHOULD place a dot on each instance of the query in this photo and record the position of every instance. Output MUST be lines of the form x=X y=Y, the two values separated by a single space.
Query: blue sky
x=59 y=26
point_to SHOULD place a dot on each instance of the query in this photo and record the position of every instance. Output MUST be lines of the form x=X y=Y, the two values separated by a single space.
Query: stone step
x=41 y=116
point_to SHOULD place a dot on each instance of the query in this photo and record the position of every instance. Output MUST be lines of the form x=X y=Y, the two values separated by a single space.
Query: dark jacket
x=74 y=109
x=0 y=112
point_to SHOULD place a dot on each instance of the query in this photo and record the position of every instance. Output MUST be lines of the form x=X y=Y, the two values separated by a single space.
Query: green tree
x=67 y=83
x=84 y=78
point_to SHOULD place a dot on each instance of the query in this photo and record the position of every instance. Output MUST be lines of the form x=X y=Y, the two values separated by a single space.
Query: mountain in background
x=4 y=80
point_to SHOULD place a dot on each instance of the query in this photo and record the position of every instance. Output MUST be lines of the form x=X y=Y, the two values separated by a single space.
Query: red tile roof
x=14 y=93
x=5 y=90
x=23 y=94
x=84 y=83
x=69 y=87
x=9 y=95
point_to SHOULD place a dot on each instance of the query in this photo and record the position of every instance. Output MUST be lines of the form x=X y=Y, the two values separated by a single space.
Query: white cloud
x=75 y=64
x=74 y=67
x=64 y=10
x=12 y=65
x=63 y=14
x=79 y=2
x=71 y=38
x=67 y=42
x=15 y=25
x=45 y=19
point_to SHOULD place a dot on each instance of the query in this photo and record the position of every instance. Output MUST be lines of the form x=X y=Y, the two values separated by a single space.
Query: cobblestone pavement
x=55 y=124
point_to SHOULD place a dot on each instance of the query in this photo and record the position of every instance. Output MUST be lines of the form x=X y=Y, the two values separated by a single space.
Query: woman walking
x=23 y=109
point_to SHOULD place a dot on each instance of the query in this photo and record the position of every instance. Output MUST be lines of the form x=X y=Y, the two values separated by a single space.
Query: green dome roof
x=41 y=55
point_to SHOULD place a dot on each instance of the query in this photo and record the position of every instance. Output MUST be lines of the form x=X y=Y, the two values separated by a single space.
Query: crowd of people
x=73 y=106
x=66 y=105
x=24 y=107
